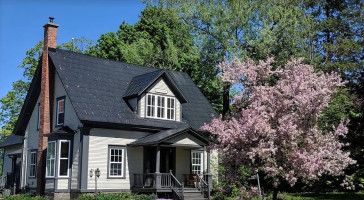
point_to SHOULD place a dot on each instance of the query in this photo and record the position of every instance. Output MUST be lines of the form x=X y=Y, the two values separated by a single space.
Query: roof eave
x=29 y=103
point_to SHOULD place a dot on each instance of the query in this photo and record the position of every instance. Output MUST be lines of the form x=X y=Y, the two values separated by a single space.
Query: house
x=11 y=166
x=139 y=126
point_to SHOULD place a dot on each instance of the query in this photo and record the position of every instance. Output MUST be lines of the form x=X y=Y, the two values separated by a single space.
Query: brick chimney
x=50 y=40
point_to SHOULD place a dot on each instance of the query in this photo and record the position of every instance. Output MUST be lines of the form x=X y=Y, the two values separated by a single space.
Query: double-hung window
x=197 y=162
x=33 y=164
x=51 y=157
x=170 y=108
x=60 y=111
x=64 y=157
x=161 y=107
x=116 y=162
x=150 y=105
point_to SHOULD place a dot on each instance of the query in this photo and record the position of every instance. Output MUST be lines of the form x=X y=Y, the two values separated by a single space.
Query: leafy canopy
x=274 y=128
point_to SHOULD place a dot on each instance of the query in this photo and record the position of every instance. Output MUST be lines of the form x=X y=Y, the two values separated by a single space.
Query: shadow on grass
x=329 y=196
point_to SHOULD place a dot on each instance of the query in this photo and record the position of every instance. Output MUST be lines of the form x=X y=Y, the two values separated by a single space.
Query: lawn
x=323 y=196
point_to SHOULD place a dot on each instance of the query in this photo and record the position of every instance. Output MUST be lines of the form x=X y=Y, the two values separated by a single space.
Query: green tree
x=12 y=102
x=159 y=39
x=255 y=29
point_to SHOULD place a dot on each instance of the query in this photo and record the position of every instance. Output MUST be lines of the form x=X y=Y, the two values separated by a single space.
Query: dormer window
x=161 y=107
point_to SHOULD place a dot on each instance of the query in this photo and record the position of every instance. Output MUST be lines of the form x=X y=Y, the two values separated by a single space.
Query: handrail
x=204 y=187
x=177 y=187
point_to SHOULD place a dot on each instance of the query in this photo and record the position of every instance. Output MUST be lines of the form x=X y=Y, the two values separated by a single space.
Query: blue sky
x=21 y=26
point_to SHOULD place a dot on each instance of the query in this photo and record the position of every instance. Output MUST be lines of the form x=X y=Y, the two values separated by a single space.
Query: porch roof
x=12 y=140
x=16 y=153
x=163 y=136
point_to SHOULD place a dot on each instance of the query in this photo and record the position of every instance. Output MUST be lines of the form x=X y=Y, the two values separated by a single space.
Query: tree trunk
x=225 y=100
x=275 y=194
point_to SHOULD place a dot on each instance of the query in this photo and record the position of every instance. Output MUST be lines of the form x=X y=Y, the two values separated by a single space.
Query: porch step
x=193 y=194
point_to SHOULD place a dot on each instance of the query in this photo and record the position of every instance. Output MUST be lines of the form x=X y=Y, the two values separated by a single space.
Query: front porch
x=174 y=164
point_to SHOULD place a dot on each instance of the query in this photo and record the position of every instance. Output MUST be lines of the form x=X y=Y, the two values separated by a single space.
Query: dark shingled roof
x=165 y=135
x=96 y=88
x=12 y=140
x=140 y=83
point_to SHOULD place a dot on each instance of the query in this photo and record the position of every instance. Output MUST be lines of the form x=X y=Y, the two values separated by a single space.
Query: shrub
x=118 y=196
x=25 y=197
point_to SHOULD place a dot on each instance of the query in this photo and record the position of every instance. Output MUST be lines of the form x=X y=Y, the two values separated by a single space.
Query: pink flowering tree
x=273 y=129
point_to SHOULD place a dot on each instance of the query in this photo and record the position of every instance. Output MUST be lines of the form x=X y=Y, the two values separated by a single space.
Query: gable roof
x=11 y=140
x=96 y=88
x=141 y=83
x=166 y=135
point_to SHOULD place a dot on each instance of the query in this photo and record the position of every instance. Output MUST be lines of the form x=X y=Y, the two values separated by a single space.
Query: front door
x=167 y=159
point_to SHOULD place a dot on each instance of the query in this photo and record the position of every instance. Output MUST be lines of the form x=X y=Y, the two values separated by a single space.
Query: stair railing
x=202 y=185
x=177 y=187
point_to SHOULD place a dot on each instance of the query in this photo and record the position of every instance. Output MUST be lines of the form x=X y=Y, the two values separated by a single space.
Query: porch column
x=158 y=160
x=209 y=175
x=208 y=161
x=158 y=175
x=13 y=166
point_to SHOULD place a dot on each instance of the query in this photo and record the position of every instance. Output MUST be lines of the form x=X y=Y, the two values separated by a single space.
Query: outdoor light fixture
x=91 y=172
x=97 y=172
x=97 y=175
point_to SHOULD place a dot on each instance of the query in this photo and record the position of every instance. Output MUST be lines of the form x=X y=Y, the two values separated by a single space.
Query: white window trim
x=122 y=162
x=33 y=164
x=55 y=148
x=155 y=107
x=68 y=159
x=202 y=160
x=57 y=113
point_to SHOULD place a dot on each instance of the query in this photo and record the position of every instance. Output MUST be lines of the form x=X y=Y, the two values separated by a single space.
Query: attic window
x=161 y=107
x=60 y=111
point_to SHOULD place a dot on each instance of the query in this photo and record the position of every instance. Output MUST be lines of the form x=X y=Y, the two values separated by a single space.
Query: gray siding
x=70 y=116
x=99 y=141
x=75 y=161
x=30 y=142
x=7 y=165
x=183 y=162
x=134 y=104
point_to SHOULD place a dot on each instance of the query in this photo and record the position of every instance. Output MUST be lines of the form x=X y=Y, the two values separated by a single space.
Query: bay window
x=64 y=155
x=51 y=157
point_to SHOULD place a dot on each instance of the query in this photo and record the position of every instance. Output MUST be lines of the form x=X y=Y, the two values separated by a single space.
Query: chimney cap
x=50 y=23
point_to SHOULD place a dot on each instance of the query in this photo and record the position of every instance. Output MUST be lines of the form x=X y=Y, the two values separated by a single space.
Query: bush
x=25 y=197
x=114 y=196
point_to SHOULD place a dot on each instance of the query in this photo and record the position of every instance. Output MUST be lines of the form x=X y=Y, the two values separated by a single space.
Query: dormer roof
x=140 y=84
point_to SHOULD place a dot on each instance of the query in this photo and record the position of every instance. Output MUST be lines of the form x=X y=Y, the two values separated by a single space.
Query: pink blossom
x=277 y=132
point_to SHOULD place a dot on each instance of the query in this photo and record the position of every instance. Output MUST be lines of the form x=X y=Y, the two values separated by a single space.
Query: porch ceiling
x=171 y=135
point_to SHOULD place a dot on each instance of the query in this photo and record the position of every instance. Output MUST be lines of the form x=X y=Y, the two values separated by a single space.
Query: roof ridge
x=115 y=61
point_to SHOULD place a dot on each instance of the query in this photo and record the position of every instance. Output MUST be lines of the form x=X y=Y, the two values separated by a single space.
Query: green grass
x=323 y=196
